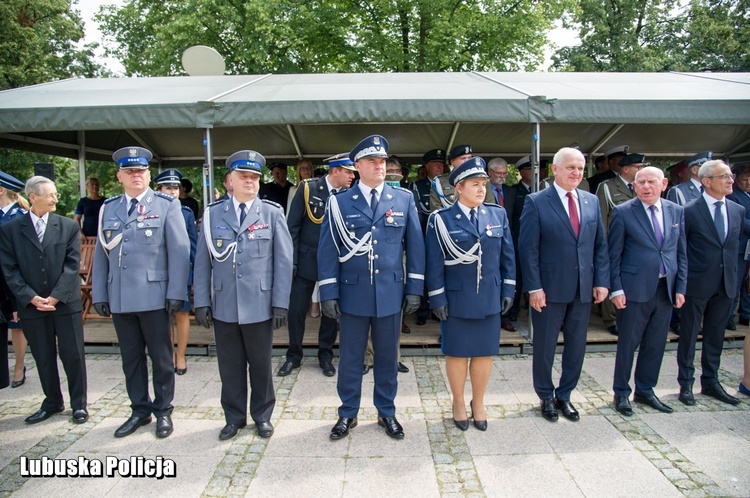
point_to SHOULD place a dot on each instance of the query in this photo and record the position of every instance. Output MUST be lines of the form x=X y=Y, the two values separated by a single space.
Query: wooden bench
x=88 y=244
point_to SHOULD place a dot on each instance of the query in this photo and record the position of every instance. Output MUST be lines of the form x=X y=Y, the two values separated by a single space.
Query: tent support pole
x=208 y=168
x=535 y=153
x=82 y=162
x=293 y=136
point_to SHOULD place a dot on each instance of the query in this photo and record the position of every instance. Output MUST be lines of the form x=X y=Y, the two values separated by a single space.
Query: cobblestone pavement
x=702 y=450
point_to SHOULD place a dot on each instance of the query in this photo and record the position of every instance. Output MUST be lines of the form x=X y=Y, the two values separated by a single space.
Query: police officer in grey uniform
x=242 y=281
x=140 y=273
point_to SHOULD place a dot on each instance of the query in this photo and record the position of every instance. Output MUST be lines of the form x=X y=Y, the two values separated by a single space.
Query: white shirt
x=44 y=219
x=366 y=191
x=697 y=184
x=236 y=204
x=139 y=198
x=711 y=202
x=467 y=210
x=7 y=208
x=564 y=199
x=659 y=215
x=331 y=188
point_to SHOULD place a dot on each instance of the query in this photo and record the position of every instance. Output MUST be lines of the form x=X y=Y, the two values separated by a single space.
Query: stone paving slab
x=702 y=450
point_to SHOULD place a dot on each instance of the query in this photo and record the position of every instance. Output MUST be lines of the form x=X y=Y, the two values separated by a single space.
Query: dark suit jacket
x=635 y=257
x=743 y=199
x=509 y=198
x=708 y=258
x=47 y=269
x=552 y=258
x=305 y=233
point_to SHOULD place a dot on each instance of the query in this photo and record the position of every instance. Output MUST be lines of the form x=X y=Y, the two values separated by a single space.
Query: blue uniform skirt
x=469 y=338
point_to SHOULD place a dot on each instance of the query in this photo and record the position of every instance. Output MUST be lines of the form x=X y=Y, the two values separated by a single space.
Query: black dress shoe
x=287 y=368
x=686 y=395
x=42 y=415
x=402 y=368
x=479 y=424
x=421 y=320
x=743 y=321
x=612 y=329
x=366 y=369
x=392 y=427
x=131 y=424
x=341 y=429
x=652 y=401
x=549 y=410
x=264 y=429
x=328 y=369
x=717 y=391
x=731 y=325
x=230 y=430
x=180 y=371
x=622 y=405
x=462 y=424
x=567 y=409
x=80 y=416
x=19 y=383
x=164 y=426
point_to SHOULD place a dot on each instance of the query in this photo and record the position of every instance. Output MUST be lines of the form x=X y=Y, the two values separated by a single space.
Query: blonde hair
x=13 y=196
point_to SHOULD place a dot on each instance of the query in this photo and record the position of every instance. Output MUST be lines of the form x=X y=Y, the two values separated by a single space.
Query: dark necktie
x=373 y=200
x=133 y=204
x=2 y=213
x=242 y=213
x=499 y=196
x=333 y=191
x=630 y=187
x=719 y=221
x=473 y=217
x=659 y=237
x=573 y=213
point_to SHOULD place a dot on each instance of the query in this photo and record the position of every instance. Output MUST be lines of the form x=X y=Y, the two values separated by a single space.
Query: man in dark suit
x=40 y=254
x=713 y=227
x=505 y=197
x=648 y=275
x=565 y=264
x=304 y=221
x=741 y=195
x=522 y=189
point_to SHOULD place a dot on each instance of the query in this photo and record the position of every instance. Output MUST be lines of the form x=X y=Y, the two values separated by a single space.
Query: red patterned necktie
x=573 y=212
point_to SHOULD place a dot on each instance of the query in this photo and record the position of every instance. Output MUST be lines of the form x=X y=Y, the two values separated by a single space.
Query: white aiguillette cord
x=218 y=256
x=458 y=256
x=352 y=244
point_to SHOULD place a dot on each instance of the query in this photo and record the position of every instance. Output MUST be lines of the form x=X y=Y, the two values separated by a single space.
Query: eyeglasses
x=55 y=196
x=308 y=168
x=723 y=177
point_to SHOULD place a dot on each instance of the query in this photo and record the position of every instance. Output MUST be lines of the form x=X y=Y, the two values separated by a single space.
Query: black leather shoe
x=686 y=395
x=80 y=416
x=230 y=430
x=549 y=410
x=342 y=427
x=42 y=415
x=479 y=424
x=717 y=391
x=652 y=401
x=731 y=325
x=402 y=368
x=392 y=427
x=328 y=369
x=567 y=409
x=421 y=320
x=287 y=368
x=164 y=426
x=675 y=327
x=366 y=369
x=613 y=330
x=264 y=429
x=180 y=371
x=462 y=424
x=131 y=424
x=622 y=405
x=19 y=383
x=744 y=321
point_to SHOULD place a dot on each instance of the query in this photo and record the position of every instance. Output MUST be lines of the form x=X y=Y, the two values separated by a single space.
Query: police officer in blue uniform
x=471 y=273
x=140 y=273
x=305 y=218
x=362 y=280
x=168 y=182
x=243 y=277
x=9 y=210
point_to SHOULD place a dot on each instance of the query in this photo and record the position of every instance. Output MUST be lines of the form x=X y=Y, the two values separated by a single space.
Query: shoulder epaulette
x=310 y=180
x=185 y=207
x=165 y=196
x=107 y=201
x=275 y=204
x=442 y=209
x=218 y=201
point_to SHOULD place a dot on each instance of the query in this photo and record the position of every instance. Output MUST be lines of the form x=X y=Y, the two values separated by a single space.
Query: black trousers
x=243 y=349
x=48 y=334
x=4 y=365
x=299 y=300
x=136 y=332
x=714 y=311
x=643 y=326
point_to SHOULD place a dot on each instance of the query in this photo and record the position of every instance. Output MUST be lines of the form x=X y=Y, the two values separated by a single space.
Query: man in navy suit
x=362 y=280
x=648 y=275
x=713 y=226
x=741 y=195
x=565 y=263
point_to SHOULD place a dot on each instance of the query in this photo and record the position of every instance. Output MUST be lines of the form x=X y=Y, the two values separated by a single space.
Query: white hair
x=34 y=184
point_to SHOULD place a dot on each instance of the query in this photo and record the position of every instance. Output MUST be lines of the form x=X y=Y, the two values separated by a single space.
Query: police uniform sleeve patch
x=111 y=199
x=164 y=196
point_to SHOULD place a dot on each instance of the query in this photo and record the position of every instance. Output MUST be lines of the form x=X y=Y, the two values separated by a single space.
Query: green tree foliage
x=314 y=36
x=719 y=36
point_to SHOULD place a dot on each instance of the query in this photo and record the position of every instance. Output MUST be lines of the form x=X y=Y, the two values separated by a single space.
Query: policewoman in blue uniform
x=243 y=278
x=140 y=273
x=362 y=280
x=471 y=273
x=10 y=210
x=168 y=182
